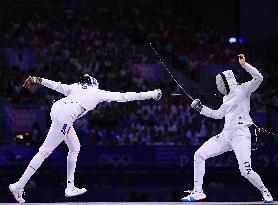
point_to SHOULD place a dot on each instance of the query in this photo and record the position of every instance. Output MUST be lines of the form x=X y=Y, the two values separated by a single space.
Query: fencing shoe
x=17 y=191
x=74 y=191
x=194 y=195
x=267 y=197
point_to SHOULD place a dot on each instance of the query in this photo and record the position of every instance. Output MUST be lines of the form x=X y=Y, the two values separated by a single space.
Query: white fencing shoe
x=267 y=197
x=194 y=195
x=17 y=191
x=74 y=191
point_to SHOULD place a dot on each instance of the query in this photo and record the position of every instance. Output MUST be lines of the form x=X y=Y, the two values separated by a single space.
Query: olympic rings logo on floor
x=115 y=160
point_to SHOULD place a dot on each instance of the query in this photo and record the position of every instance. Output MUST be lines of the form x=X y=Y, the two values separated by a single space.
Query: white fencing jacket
x=236 y=105
x=89 y=96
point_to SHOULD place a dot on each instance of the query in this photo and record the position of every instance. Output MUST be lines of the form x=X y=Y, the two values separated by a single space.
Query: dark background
x=137 y=151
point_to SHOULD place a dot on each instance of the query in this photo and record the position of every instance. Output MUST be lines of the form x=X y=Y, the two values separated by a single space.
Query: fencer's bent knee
x=44 y=153
x=246 y=174
x=199 y=155
x=246 y=169
x=74 y=151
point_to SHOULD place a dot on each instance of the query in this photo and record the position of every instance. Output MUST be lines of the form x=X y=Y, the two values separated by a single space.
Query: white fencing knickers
x=61 y=129
x=238 y=141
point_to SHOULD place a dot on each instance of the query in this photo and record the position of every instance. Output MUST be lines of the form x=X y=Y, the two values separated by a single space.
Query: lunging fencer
x=80 y=98
x=235 y=135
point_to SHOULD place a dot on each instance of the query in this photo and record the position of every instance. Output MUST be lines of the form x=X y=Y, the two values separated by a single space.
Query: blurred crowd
x=62 y=44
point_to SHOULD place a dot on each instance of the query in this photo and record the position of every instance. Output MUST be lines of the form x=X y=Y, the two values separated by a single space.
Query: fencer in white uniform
x=80 y=98
x=235 y=135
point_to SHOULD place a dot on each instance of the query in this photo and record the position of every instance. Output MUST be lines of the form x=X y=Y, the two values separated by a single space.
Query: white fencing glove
x=159 y=94
x=197 y=105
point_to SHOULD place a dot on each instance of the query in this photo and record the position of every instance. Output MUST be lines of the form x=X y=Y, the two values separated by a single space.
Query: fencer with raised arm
x=235 y=135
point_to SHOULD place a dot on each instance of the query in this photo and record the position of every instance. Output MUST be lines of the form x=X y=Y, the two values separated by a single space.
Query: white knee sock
x=71 y=165
x=199 y=172
x=34 y=164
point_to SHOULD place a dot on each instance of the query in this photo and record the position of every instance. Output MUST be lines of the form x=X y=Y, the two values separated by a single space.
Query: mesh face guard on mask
x=226 y=82
x=88 y=80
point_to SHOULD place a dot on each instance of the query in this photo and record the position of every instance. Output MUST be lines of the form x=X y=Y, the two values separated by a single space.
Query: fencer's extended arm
x=216 y=114
x=128 y=96
x=57 y=86
x=253 y=84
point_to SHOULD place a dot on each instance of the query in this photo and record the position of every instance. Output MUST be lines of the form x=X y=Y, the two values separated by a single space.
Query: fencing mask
x=88 y=80
x=226 y=82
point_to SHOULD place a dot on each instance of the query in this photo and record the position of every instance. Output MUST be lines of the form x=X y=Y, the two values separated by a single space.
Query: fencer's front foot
x=17 y=191
x=69 y=192
x=194 y=196
x=267 y=197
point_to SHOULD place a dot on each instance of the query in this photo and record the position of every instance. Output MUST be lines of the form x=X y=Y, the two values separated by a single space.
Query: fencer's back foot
x=69 y=192
x=17 y=192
